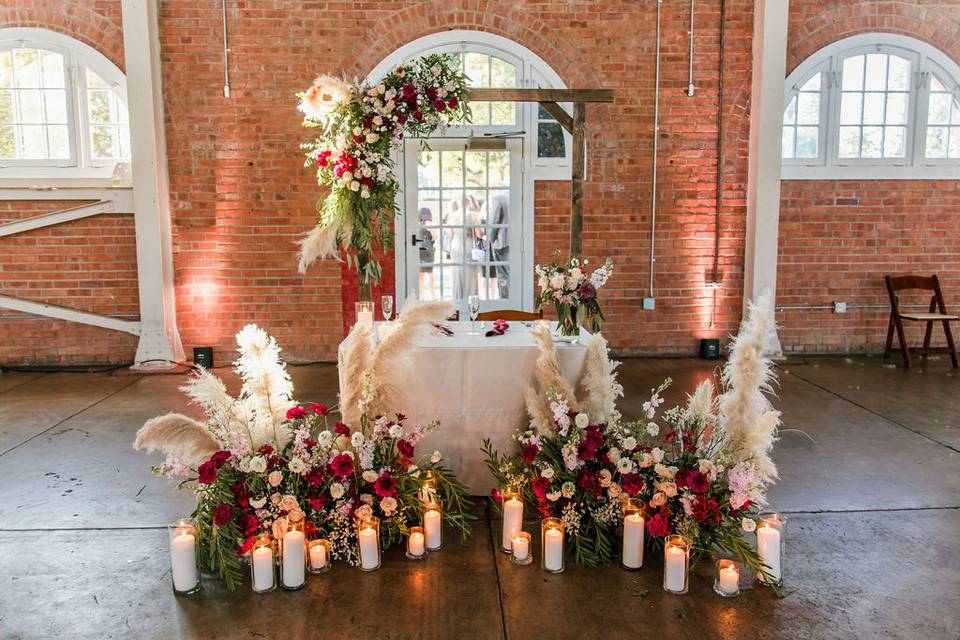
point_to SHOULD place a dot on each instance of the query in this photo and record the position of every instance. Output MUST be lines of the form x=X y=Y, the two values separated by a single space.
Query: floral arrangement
x=359 y=126
x=705 y=478
x=573 y=292
x=261 y=462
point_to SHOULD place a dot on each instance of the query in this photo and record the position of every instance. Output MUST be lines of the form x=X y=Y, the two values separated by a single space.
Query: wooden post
x=576 y=184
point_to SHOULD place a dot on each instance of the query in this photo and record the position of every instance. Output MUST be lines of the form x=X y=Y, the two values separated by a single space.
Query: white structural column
x=159 y=338
x=766 y=126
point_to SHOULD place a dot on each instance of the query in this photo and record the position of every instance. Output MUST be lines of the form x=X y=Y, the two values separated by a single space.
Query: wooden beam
x=576 y=186
x=561 y=116
x=540 y=95
x=70 y=315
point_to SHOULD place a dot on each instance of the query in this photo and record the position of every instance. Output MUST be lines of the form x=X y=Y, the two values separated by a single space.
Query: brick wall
x=839 y=238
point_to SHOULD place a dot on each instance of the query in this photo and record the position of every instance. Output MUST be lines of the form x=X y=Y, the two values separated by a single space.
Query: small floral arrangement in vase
x=573 y=292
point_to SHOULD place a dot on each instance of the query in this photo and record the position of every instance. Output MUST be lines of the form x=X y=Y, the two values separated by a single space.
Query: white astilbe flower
x=267 y=390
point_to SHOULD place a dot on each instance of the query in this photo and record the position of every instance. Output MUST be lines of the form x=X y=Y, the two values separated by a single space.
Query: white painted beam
x=70 y=315
x=57 y=217
x=159 y=338
x=122 y=197
x=766 y=126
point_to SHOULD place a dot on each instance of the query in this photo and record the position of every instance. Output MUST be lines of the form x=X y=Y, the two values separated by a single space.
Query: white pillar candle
x=729 y=579
x=675 y=568
x=318 y=556
x=553 y=549
x=768 y=548
x=512 y=520
x=294 y=558
x=520 y=546
x=365 y=318
x=633 y=541
x=262 y=568
x=369 y=548
x=431 y=525
x=415 y=544
x=183 y=560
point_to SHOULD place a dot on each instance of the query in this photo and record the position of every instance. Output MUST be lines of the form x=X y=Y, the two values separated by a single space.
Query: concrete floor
x=870 y=476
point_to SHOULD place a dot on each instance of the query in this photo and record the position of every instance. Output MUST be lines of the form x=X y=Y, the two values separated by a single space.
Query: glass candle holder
x=433 y=525
x=182 y=536
x=319 y=555
x=416 y=543
x=512 y=521
x=726 y=581
x=364 y=314
x=293 y=557
x=263 y=575
x=676 y=564
x=771 y=534
x=551 y=540
x=368 y=538
x=631 y=551
x=520 y=551
x=428 y=487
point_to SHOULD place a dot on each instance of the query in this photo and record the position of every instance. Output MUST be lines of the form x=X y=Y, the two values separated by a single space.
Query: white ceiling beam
x=58 y=217
x=70 y=315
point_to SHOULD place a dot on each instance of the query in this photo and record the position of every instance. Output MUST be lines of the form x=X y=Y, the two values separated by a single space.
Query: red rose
x=341 y=429
x=409 y=91
x=248 y=523
x=342 y=465
x=220 y=458
x=317 y=503
x=439 y=105
x=247 y=545
x=495 y=494
x=295 y=413
x=401 y=118
x=208 y=472
x=385 y=485
x=418 y=115
x=529 y=453
x=405 y=448
x=222 y=514
x=320 y=409
x=453 y=102
x=632 y=483
x=657 y=526
x=540 y=486
x=324 y=158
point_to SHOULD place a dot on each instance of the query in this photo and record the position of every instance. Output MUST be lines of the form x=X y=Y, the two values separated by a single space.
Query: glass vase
x=631 y=550
x=293 y=557
x=520 y=551
x=512 y=520
x=567 y=324
x=319 y=555
x=433 y=524
x=771 y=535
x=263 y=574
x=428 y=487
x=676 y=564
x=364 y=312
x=182 y=536
x=368 y=538
x=416 y=543
x=551 y=541
x=726 y=580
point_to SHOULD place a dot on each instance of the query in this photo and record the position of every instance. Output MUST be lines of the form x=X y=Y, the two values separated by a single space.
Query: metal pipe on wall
x=715 y=274
x=656 y=143
x=690 y=87
x=226 y=51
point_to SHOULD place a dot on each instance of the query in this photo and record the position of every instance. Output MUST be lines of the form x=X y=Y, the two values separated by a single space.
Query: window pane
x=6 y=69
x=502 y=73
x=790 y=113
x=876 y=72
x=894 y=145
x=503 y=113
x=871 y=146
x=451 y=168
x=428 y=169
x=52 y=65
x=936 y=85
x=806 y=142
x=32 y=142
x=813 y=84
x=936 y=142
x=476 y=169
x=939 y=108
x=898 y=78
x=30 y=108
x=99 y=102
x=55 y=105
x=550 y=142
x=850 y=108
x=122 y=116
x=500 y=168
x=58 y=142
x=853 y=73
x=26 y=68
x=955 y=113
x=849 y=142
x=873 y=108
x=6 y=106
x=787 y=142
x=808 y=109
x=94 y=81
x=8 y=143
x=954 y=147
x=124 y=141
x=896 y=108
x=102 y=138
x=477 y=68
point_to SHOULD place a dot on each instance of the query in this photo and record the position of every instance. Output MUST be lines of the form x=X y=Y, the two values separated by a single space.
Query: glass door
x=463 y=223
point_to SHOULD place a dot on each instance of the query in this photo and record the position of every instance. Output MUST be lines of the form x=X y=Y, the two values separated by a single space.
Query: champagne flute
x=473 y=302
x=386 y=305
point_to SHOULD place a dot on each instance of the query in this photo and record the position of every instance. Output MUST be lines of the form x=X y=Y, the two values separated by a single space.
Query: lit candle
x=263 y=568
x=365 y=318
x=553 y=549
x=675 y=569
x=768 y=548
x=318 y=556
x=183 y=559
x=369 y=548
x=633 y=541
x=431 y=524
x=729 y=579
x=520 y=546
x=415 y=544
x=294 y=558
x=512 y=520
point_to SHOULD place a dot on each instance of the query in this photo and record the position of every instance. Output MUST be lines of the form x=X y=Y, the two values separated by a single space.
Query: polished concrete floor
x=869 y=461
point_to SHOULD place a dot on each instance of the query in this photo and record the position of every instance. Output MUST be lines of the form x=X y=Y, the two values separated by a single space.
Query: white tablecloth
x=474 y=386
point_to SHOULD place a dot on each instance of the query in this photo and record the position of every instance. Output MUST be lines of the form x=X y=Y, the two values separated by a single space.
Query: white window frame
x=924 y=59
x=81 y=170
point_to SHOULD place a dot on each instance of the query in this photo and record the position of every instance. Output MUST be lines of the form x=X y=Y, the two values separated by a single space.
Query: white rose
x=576 y=275
x=547 y=472
x=657 y=454
x=370 y=476
x=582 y=420
x=325 y=439
x=365 y=194
x=258 y=464
x=396 y=431
x=435 y=457
x=556 y=281
x=356 y=439
x=377 y=120
x=614 y=490
x=646 y=460
x=275 y=478
x=568 y=489
x=653 y=428
x=605 y=477
x=624 y=465
x=364 y=511
x=347 y=176
x=669 y=488
x=372 y=137
x=543 y=282
x=749 y=525
x=367 y=172
x=336 y=491
x=613 y=455
x=629 y=443
x=357 y=131
x=366 y=498
x=389 y=505
x=258 y=503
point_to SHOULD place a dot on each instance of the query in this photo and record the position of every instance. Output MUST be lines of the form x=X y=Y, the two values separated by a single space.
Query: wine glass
x=473 y=302
x=386 y=305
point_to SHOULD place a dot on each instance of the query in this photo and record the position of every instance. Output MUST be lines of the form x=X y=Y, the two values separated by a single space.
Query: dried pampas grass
x=320 y=243
x=354 y=362
x=598 y=387
x=548 y=378
x=177 y=436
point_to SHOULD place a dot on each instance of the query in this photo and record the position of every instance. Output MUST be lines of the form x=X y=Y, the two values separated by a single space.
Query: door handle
x=414 y=239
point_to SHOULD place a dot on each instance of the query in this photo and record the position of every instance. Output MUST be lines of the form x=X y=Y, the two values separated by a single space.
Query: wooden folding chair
x=937 y=313
x=510 y=314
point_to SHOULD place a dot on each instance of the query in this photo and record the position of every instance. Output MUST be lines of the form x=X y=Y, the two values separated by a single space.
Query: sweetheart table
x=474 y=386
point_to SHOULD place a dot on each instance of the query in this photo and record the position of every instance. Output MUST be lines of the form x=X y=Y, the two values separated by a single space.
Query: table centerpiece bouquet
x=705 y=478
x=261 y=462
x=573 y=292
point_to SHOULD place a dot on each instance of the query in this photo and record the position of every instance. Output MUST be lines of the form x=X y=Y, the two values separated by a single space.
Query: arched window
x=873 y=106
x=63 y=109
